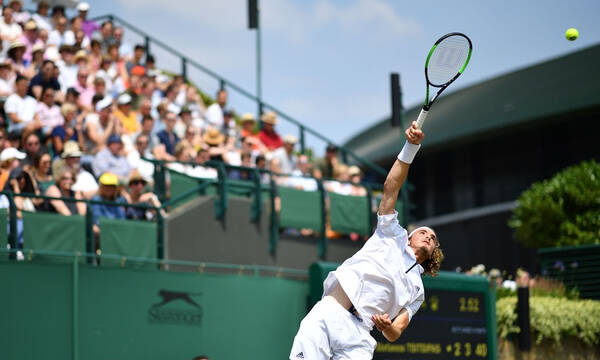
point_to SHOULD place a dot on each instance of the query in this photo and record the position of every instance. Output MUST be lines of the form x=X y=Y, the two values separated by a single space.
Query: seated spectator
x=16 y=50
x=125 y=49
x=108 y=191
x=355 y=178
x=21 y=108
x=183 y=155
x=327 y=167
x=49 y=113
x=3 y=140
x=86 y=92
x=20 y=15
x=193 y=138
x=146 y=129
x=267 y=135
x=62 y=187
x=246 y=161
x=106 y=35
x=214 y=113
x=111 y=160
x=286 y=155
x=103 y=72
x=138 y=54
x=302 y=179
x=215 y=141
x=58 y=37
x=200 y=170
x=194 y=102
x=137 y=195
x=30 y=39
x=98 y=129
x=136 y=157
x=42 y=164
x=67 y=77
x=7 y=79
x=167 y=136
x=32 y=147
x=71 y=129
x=187 y=123
x=341 y=184
x=41 y=16
x=85 y=183
x=248 y=126
x=82 y=41
x=126 y=116
x=10 y=159
x=96 y=57
x=9 y=29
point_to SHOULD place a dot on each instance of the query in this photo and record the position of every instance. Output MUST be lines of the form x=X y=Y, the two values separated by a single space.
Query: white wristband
x=408 y=152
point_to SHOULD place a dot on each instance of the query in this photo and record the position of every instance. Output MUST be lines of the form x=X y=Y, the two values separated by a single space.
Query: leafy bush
x=563 y=210
x=553 y=319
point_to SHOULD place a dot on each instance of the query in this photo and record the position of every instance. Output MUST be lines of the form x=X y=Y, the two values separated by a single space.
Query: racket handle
x=421 y=118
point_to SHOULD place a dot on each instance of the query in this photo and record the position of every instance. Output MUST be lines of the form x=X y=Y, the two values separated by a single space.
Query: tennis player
x=378 y=286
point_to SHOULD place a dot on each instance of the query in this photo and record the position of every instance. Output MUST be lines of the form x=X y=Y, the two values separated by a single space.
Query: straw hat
x=354 y=170
x=290 y=139
x=247 y=117
x=16 y=44
x=270 y=118
x=213 y=137
x=71 y=149
x=81 y=54
x=136 y=176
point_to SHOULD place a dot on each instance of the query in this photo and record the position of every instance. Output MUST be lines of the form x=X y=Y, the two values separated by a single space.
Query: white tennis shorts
x=331 y=332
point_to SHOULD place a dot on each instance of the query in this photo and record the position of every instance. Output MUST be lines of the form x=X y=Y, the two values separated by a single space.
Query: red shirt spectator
x=267 y=135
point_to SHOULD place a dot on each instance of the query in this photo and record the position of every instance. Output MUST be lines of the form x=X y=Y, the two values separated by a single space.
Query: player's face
x=425 y=240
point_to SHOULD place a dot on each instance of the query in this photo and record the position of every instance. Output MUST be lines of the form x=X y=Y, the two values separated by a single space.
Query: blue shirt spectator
x=110 y=159
x=167 y=136
x=108 y=192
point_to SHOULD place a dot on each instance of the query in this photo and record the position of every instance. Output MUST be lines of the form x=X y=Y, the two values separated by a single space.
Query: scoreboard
x=456 y=321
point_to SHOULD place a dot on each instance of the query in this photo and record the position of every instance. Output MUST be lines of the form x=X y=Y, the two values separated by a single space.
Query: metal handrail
x=185 y=60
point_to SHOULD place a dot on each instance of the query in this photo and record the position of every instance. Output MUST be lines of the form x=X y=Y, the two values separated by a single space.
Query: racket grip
x=421 y=118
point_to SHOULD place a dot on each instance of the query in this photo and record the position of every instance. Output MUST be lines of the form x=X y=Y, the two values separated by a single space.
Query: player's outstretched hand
x=414 y=135
x=382 y=322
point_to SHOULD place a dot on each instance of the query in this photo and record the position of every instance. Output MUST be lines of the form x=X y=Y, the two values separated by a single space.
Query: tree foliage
x=560 y=211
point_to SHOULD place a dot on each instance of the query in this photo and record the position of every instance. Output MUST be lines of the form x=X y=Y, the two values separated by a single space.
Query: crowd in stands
x=83 y=112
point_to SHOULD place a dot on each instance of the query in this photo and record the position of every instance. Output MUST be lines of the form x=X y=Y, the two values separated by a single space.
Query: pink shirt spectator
x=29 y=46
x=85 y=94
x=50 y=117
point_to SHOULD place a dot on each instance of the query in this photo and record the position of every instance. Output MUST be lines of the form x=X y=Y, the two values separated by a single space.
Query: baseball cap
x=11 y=153
x=109 y=179
x=114 y=138
x=104 y=103
x=331 y=148
x=83 y=6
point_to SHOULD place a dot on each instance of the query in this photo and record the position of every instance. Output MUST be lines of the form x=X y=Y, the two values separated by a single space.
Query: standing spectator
x=125 y=49
x=267 y=135
x=30 y=38
x=10 y=159
x=327 y=167
x=137 y=195
x=88 y=26
x=71 y=158
x=97 y=131
x=41 y=16
x=125 y=115
x=107 y=192
x=41 y=171
x=167 y=137
x=20 y=108
x=9 y=30
x=63 y=187
x=285 y=154
x=214 y=113
x=110 y=159
x=44 y=79
x=48 y=112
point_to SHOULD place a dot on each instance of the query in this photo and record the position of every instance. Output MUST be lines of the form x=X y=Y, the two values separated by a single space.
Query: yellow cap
x=109 y=179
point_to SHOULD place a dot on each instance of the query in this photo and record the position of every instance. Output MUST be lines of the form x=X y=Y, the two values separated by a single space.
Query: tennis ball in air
x=572 y=34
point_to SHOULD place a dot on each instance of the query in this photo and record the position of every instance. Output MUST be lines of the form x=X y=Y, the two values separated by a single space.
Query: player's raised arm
x=399 y=170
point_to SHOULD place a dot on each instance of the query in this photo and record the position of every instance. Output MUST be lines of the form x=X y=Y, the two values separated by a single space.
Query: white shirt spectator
x=145 y=167
x=69 y=38
x=25 y=109
x=12 y=31
x=300 y=182
x=85 y=182
x=338 y=187
x=6 y=86
x=376 y=278
x=42 y=22
x=203 y=172
x=125 y=50
x=288 y=163
x=58 y=39
x=214 y=115
x=68 y=75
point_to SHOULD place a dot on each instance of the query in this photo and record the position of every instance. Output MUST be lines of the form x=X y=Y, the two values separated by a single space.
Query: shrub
x=563 y=210
x=553 y=319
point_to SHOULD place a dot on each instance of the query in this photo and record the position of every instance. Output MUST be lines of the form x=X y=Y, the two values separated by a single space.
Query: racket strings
x=447 y=59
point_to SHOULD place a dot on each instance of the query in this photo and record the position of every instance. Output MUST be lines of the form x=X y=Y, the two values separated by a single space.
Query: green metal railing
x=228 y=84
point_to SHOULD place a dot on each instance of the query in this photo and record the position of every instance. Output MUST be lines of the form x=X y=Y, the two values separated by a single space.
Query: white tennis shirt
x=375 y=278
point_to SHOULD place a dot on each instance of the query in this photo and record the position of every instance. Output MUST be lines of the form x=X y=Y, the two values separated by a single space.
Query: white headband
x=420 y=228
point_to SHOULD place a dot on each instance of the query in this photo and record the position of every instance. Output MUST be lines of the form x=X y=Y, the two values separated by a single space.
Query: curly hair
x=432 y=265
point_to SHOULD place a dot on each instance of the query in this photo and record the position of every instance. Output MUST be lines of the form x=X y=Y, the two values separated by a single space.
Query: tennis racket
x=447 y=59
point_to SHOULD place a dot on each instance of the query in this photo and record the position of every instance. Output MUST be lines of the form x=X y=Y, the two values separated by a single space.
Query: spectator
x=214 y=113
x=84 y=180
x=106 y=35
x=136 y=195
x=80 y=42
x=126 y=117
x=136 y=157
x=125 y=49
x=85 y=91
x=286 y=155
x=71 y=129
x=246 y=161
x=30 y=38
x=96 y=56
x=267 y=135
x=48 y=112
x=37 y=58
x=138 y=53
x=41 y=16
x=67 y=68
x=215 y=141
x=44 y=79
x=302 y=178
x=15 y=53
x=146 y=129
x=20 y=15
x=58 y=37
x=62 y=187
x=13 y=139
x=10 y=159
x=248 y=126
x=356 y=178
x=10 y=31
x=110 y=159
x=7 y=79
x=167 y=137
x=41 y=171
x=88 y=26
x=183 y=156
x=200 y=170
x=20 y=182
x=187 y=123
x=97 y=131
x=194 y=102
x=107 y=192
x=341 y=183
x=3 y=140
x=327 y=167
x=32 y=146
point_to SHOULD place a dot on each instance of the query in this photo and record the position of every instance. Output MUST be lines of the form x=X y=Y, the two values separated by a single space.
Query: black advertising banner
x=449 y=325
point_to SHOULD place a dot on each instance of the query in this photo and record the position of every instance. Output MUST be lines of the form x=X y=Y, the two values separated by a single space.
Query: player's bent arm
x=393 y=332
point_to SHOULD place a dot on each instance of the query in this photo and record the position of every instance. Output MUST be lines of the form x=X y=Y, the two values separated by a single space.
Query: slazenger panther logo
x=176 y=307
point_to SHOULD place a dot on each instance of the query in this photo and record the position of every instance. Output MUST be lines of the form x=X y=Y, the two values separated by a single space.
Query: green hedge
x=553 y=319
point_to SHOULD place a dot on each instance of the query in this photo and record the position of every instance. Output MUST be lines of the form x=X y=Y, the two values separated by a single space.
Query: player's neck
x=420 y=254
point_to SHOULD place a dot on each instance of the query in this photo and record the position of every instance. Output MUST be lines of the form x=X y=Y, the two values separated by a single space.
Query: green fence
x=575 y=266
x=78 y=311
